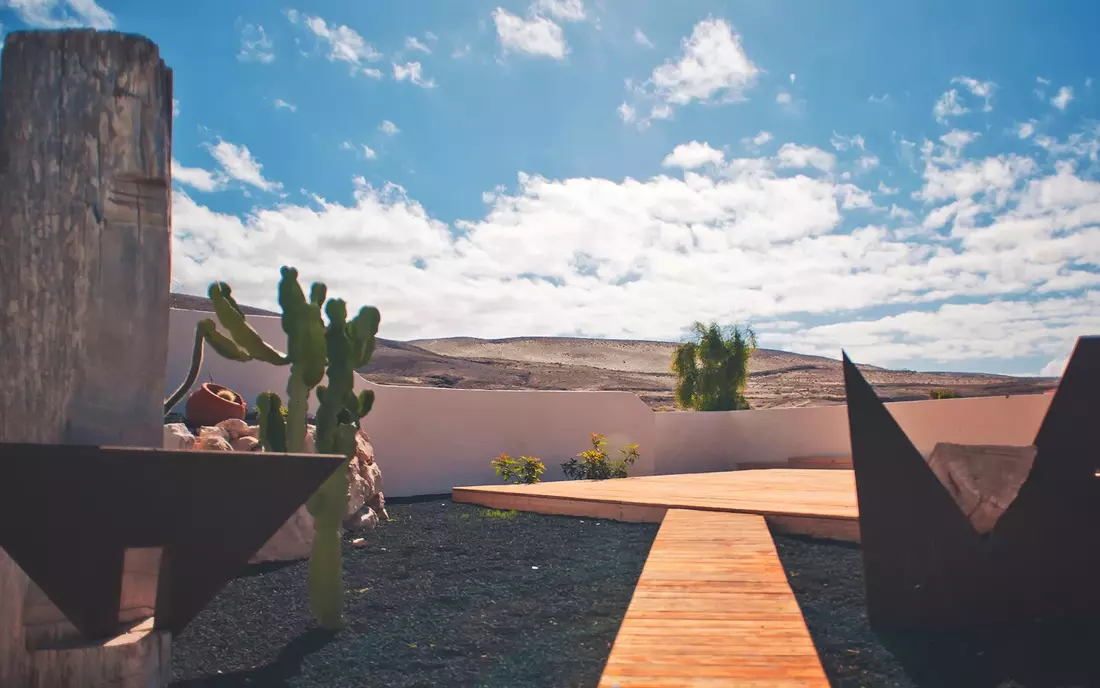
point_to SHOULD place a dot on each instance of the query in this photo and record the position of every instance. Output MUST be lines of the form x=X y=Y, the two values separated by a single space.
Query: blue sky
x=914 y=182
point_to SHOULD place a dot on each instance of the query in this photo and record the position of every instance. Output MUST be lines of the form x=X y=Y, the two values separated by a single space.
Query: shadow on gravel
x=287 y=665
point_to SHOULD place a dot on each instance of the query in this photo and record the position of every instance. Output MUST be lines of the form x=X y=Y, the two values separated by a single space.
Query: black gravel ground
x=444 y=595
x=827 y=579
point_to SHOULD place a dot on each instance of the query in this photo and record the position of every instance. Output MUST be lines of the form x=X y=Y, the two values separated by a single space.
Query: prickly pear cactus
x=313 y=351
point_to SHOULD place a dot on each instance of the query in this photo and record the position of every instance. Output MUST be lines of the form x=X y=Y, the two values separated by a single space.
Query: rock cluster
x=366 y=501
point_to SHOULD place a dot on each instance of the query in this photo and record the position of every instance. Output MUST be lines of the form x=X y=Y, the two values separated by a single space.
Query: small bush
x=526 y=470
x=595 y=464
x=943 y=394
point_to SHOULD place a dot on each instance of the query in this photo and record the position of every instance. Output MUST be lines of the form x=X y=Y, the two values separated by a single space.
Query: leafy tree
x=712 y=368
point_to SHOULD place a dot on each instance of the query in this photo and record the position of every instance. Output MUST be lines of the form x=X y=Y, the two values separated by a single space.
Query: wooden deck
x=803 y=501
x=713 y=608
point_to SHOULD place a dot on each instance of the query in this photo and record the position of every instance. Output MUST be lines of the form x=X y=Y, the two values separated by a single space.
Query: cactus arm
x=365 y=402
x=363 y=328
x=272 y=424
x=231 y=317
x=205 y=331
x=192 y=374
x=328 y=506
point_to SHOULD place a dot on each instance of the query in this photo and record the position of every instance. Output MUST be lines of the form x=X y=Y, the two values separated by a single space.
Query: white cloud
x=793 y=155
x=981 y=89
x=627 y=113
x=281 y=104
x=867 y=162
x=843 y=143
x=1062 y=98
x=692 y=155
x=948 y=106
x=783 y=98
x=1025 y=129
x=1042 y=80
x=793 y=76
x=368 y=152
x=759 y=140
x=413 y=43
x=1055 y=368
x=429 y=36
x=412 y=72
x=238 y=163
x=372 y=72
x=345 y=44
x=196 y=177
x=62 y=14
x=461 y=51
x=387 y=127
x=591 y=256
x=641 y=39
x=562 y=10
x=537 y=36
x=255 y=45
x=713 y=67
x=878 y=99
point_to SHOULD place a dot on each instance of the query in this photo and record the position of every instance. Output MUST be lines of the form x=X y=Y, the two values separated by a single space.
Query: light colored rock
x=292 y=541
x=235 y=428
x=245 y=443
x=178 y=437
x=212 y=439
x=364 y=519
x=983 y=479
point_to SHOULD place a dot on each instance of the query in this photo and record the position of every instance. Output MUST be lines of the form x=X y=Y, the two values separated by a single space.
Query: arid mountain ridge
x=776 y=378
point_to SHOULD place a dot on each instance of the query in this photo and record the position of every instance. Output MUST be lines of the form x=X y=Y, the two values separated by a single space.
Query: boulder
x=983 y=479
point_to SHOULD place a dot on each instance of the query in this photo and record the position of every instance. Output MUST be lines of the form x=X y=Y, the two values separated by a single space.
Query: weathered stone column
x=85 y=241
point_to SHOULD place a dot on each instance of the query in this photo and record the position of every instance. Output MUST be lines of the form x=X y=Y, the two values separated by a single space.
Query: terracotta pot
x=205 y=407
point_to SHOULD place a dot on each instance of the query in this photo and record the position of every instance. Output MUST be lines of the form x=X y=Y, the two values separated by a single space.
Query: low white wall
x=774 y=435
x=429 y=439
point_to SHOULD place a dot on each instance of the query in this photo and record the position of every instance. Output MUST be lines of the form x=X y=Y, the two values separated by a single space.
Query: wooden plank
x=713 y=608
x=801 y=501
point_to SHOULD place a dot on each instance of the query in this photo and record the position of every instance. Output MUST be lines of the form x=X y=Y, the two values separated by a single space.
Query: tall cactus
x=313 y=350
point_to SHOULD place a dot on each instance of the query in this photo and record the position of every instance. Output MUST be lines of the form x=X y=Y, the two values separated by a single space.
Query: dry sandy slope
x=776 y=378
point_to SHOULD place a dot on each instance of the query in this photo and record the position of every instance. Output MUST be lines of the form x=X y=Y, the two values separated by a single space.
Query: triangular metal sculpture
x=925 y=566
x=68 y=513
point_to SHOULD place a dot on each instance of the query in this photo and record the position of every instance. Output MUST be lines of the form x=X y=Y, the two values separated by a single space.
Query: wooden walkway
x=804 y=501
x=713 y=608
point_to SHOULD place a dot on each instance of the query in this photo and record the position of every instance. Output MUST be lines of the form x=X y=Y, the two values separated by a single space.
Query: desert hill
x=776 y=378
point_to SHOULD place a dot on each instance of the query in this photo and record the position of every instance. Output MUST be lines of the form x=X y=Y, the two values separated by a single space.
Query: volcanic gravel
x=827 y=579
x=444 y=594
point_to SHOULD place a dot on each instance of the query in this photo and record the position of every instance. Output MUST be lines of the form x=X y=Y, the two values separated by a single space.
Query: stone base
x=140 y=658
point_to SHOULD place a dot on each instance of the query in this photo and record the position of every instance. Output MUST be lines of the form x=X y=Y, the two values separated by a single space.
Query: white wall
x=430 y=439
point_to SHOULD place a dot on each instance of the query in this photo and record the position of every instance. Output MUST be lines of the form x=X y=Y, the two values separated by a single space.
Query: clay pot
x=205 y=407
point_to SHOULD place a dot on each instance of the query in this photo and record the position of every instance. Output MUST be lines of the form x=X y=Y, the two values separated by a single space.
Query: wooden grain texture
x=807 y=501
x=85 y=165
x=713 y=608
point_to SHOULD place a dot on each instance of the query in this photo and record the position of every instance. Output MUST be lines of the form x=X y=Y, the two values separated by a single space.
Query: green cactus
x=313 y=351
x=205 y=331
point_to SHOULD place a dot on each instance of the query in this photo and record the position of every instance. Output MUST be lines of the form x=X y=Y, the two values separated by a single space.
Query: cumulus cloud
x=536 y=36
x=780 y=236
x=387 y=127
x=412 y=72
x=712 y=68
x=691 y=155
x=345 y=44
x=562 y=10
x=1063 y=98
x=237 y=162
x=413 y=43
x=281 y=104
x=948 y=106
x=981 y=89
x=641 y=39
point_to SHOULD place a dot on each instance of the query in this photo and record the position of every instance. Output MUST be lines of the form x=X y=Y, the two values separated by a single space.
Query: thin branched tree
x=712 y=367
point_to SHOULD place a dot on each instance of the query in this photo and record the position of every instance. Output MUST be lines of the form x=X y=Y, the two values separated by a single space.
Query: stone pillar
x=85 y=253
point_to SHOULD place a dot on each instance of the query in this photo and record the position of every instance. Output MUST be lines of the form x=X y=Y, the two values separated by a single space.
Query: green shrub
x=712 y=368
x=943 y=394
x=526 y=470
x=595 y=464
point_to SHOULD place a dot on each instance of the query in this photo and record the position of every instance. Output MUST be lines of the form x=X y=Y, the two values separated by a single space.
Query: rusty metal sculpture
x=68 y=513
x=925 y=566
